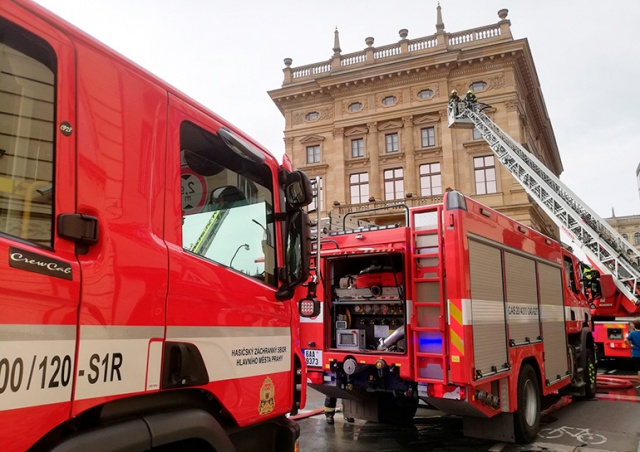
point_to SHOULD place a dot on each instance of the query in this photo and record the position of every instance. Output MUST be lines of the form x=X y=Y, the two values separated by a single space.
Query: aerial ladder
x=602 y=244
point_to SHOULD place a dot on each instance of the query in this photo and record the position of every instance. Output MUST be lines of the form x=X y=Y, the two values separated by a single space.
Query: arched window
x=636 y=238
x=478 y=86
x=425 y=94
x=312 y=116
x=355 y=106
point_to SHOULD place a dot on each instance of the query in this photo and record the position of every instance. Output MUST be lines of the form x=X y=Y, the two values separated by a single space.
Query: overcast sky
x=228 y=54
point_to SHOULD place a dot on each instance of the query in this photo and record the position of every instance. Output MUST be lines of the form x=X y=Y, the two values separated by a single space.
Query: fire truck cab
x=465 y=309
x=149 y=252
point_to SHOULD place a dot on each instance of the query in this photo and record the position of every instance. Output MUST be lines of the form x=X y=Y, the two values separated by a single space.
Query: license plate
x=313 y=358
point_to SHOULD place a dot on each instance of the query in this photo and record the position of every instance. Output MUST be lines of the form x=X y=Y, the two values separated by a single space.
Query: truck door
x=39 y=273
x=221 y=233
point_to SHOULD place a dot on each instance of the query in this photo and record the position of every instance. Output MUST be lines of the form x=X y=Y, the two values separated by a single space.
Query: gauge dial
x=367 y=308
x=357 y=308
x=384 y=308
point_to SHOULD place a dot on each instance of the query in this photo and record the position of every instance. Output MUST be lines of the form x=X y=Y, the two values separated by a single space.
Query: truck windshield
x=227 y=205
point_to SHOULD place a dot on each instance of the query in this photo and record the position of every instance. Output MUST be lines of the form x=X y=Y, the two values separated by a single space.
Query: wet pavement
x=609 y=423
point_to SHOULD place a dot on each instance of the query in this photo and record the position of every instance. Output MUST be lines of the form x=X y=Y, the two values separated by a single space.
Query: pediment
x=311 y=139
x=356 y=131
x=427 y=119
x=390 y=125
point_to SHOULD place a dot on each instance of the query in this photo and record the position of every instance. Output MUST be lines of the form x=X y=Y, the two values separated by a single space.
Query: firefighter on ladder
x=470 y=99
x=453 y=100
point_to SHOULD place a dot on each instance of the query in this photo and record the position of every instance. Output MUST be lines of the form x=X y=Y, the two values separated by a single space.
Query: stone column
x=288 y=150
x=410 y=171
x=334 y=185
x=373 y=151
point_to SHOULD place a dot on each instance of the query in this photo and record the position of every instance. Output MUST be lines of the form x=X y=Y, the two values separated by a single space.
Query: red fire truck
x=617 y=302
x=149 y=253
x=464 y=308
x=612 y=313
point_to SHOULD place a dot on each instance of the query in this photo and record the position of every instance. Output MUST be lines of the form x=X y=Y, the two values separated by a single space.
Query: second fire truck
x=464 y=309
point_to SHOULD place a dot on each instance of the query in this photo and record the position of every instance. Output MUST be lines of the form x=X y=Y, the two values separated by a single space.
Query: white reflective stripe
x=552 y=313
x=115 y=360
x=579 y=313
x=467 y=317
x=409 y=311
x=38 y=371
x=522 y=313
x=238 y=352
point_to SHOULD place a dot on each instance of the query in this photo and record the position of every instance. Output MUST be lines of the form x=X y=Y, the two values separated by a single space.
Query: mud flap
x=497 y=428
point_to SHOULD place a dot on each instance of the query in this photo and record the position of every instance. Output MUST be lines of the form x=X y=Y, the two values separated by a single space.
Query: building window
x=485 y=175
x=625 y=236
x=313 y=154
x=636 y=238
x=425 y=94
x=430 y=179
x=393 y=184
x=391 y=142
x=355 y=106
x=478 y=86
x=359 y=187
x=476 y=134
x=357 y=147
x=317 y=195
x=312 y=116
x=389 y=100
x=428 y=137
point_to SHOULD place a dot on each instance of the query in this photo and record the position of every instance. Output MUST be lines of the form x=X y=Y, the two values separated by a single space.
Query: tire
x=590 y=376
x=396 y=410
x=526 y=419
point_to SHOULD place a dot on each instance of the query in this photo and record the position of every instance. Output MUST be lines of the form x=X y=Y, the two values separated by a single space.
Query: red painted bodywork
x=457 y=226
x=120 y=165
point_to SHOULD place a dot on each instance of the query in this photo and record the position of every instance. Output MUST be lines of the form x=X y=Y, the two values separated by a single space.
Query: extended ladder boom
x=599 y=241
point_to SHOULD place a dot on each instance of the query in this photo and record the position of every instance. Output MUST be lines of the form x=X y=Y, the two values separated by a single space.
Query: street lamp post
x=245 y=246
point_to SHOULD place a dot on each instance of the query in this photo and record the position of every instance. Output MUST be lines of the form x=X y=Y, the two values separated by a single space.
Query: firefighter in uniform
x=591 y=281
x=470 y=99
x=330 y=410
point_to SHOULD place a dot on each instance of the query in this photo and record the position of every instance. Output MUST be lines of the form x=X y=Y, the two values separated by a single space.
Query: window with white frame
x=485 y=175
x=428 y=135
x=393 y=184
x=317 y=195
x=313 y=154
x=357 y=147
x=391 y=142
x=636 y=238
x=476 y=134
x=359 y=187
x=430 y=179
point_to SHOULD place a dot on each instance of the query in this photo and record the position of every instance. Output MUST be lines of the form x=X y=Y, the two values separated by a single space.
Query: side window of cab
x=227 y=205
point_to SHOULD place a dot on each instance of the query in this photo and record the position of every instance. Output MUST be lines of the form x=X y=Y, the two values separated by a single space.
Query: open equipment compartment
x=368 y=307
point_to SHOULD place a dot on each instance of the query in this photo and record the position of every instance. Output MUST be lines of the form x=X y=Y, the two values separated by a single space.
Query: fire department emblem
x=267 y=397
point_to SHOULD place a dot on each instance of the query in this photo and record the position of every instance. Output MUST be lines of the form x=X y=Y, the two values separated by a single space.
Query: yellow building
x=628 y=227
x=372 y=124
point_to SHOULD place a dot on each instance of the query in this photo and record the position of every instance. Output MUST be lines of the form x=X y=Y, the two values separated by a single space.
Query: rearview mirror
x=298 y=190
x=297 y=253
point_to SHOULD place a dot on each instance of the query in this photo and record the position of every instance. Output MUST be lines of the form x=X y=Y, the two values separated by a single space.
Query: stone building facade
x=628 y=227
x=373 y=124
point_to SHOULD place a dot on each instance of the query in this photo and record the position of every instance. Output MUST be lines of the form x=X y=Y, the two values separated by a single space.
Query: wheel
x=527 y=416
x=396 y=410
x=590 y=376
